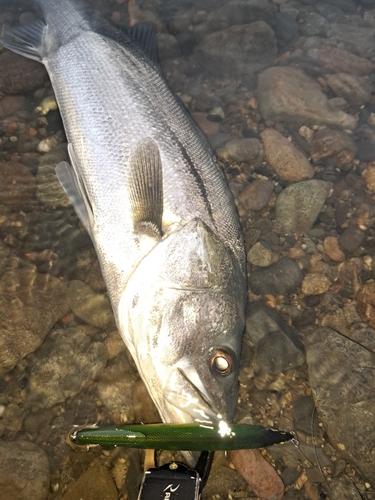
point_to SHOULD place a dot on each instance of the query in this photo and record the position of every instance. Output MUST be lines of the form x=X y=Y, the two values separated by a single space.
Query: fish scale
x=150 y=192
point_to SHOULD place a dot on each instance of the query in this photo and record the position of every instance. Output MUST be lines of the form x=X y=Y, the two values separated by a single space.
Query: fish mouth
x=185 y=392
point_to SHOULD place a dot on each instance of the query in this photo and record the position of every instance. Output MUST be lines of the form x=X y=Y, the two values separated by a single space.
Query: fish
x=189 y=437
x=150 y=192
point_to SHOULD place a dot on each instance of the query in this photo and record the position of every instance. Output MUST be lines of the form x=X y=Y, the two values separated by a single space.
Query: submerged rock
x=237 y=51
x=237 y=12
x=288 y=94
x=18 y=187
x=241 y=150
x=256 y=195
x=280 y=278
x=93 y=308
x=342 y=61
x=97 y=480
x=332 y=146
x=354 y=89
x=20 y=75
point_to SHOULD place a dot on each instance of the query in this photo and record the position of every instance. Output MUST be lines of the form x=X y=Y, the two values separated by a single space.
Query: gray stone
x=20 y=75
x=304 y=415
x=236 y=12
x=69 y=360
x=314 y=24
x=277 y=347
x=256 y=195
x=332 y=146
x=241 y=150
x=238 y=50
x=354 y=89
x=285 y=28
x=342 y=376
x=93 y=308
x=168 y=46
x=30 y=304
x=24 y=471
x=351 y=238
x=261 y=255
x=218 y=140
x=337 y=60
x=280 y=278
x=358 y=39
x=288 y=94
x=298 y=206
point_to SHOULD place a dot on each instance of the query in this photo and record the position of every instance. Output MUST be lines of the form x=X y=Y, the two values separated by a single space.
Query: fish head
x=182 y=316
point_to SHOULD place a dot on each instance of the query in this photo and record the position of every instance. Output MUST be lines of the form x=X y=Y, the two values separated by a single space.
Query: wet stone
x=276 y=345
x=69 y=360
x=288 y=94
x=93 y=308
x=298 y=206
x=168 y=46
x=351 y=238
x=341 y=61
x=10 y=104
x=261 y=255
x=242 y=150
x=354 y=89
x=256 y=195
x=304 y=416
x=284 y=158
x=315 y=284
x=97 y=475
x=237 y=50
x=358 y=39
x=20 y=75
x=332 y=146
x=314 y=24
x=285 y=28
x=333 y=250
x=344 y=397
x=24 y=471
x=366 y=303
x=280 y=278
x=18 y=187
x=237 y=12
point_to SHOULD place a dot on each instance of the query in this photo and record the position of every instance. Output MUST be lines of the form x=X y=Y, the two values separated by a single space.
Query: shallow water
x=284 y=91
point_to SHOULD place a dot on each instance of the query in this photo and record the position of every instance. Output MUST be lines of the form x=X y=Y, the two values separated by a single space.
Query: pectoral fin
x=145 y=183
x=73 y=186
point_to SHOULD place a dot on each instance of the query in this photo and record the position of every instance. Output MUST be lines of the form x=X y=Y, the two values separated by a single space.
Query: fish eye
x=221 y=362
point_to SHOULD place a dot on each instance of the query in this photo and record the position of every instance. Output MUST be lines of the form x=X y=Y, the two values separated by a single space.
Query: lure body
x=189 y=437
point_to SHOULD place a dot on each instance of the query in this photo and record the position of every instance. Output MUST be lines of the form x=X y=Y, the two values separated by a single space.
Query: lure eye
x=221 y=363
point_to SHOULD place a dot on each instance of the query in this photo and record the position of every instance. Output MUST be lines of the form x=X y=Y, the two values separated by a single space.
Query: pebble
x=369 y=176
x=264 y=482
x=333 y=146
x=314 y=24
x=218 y=140
x=242 y=150
x=333 y=250
x=236 y=12
x=24 y=471
x=18 y=187
x=288 y=94
x=354 y=89
x=20 y=75
x=315 y=284
x=344 y=398
x=236 y=51
x=10 y=104
x=207 y=126
x=366 y=303
x=69 y=361
x=24 y=322
x=98 y=475
x=351 y=238
x=257 y=194
x=285 y=28
x=298 y=206
x=358 y=39
x=280 y=278
x=93 y=308
x=260 y=255
x=284 y=158
x=303 y=415
x=337 y=60
x=168 y=46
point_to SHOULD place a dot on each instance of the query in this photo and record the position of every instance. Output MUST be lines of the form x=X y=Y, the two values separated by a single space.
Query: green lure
x=188 y=437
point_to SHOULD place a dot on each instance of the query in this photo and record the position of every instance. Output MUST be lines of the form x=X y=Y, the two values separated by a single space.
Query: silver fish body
x=155 y=201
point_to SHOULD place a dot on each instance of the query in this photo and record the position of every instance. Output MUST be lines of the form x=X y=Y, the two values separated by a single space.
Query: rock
x=341 y=61
x=369 y=176
x=20 y=75
x=256 y=195
x=49 y=191
x=288 y=94
x=241 y=150
x=280 y=278
x=95 y=483
x=218 y=140
x=69 y=361
x=168 y=46
x=333 y=146
x=10 y=104
x=331 y=12
x=314 y=24
x=353 y=88
x=351 y=238
x=259 y=474
x=142 y=405
x=223 y=478
x=315 y=284
x=303 y=413
x=359 y=39
x=344 y=397
x=93 y=308
x=298 y=206
x=285 y=28
x=18 y=187
x=30 y=305
x=238 y=50
x=236 y=12
x=208 y=127
x=284 y=158
x=366 y=303
x=333 y=250
x=260 y=255
x=13 y=417
x=24 y=471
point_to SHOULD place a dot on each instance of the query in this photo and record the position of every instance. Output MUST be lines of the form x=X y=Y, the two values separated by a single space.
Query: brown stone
x=366 y=303
x=256 y=195
x=339 y=60
x=9 y=104
x=18 y=187
x=333 y=250
x=315 y=284
x=20 y=75
x=333 y=145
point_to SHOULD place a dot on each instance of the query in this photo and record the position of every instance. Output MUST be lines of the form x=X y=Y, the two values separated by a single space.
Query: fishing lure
x=189 y=437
